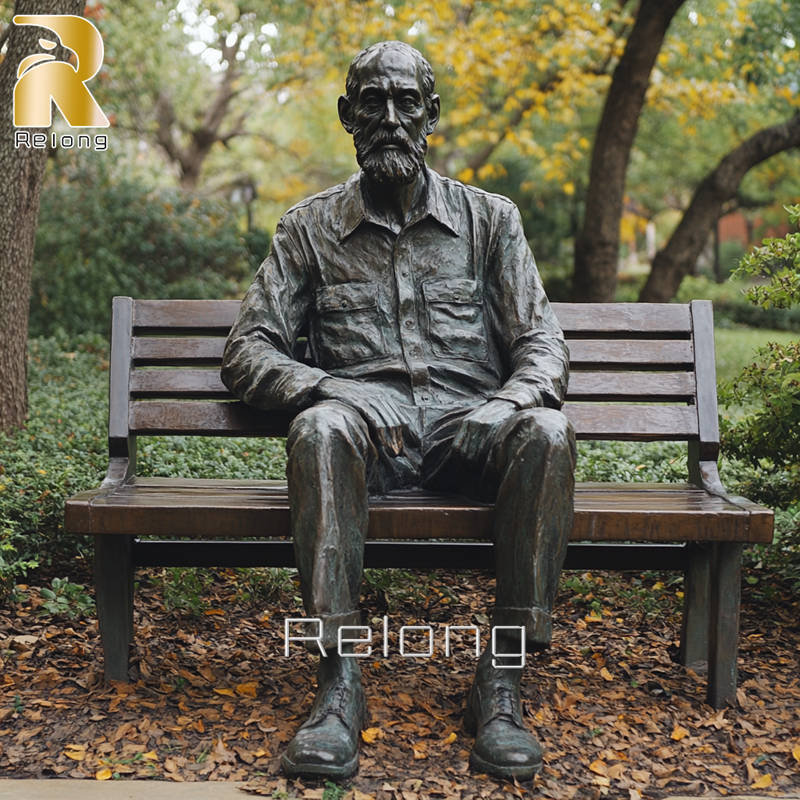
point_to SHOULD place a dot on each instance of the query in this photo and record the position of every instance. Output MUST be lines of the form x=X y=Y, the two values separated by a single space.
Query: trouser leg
x=533 y=456
x=329 y=460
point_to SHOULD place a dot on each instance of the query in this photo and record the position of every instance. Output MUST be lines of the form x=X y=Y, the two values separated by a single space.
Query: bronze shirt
x=450 y=310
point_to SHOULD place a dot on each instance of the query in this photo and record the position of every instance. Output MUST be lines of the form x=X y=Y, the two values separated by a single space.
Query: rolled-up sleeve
x=524 y=323
x=258 y=364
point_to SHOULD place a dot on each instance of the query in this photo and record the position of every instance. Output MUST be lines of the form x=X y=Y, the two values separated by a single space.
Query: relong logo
x=41 y=80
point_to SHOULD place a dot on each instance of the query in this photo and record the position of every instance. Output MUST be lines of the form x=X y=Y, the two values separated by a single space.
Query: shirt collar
x=353 y=211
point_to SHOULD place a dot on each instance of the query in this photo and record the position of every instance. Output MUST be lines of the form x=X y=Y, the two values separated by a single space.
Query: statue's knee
x=545 y=427
x=321 y=423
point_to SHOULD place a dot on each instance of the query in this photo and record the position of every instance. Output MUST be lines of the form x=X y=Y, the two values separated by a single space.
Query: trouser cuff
x=538 y=624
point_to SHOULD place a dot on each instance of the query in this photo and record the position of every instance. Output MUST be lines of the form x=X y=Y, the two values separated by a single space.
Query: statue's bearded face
x=390 y=120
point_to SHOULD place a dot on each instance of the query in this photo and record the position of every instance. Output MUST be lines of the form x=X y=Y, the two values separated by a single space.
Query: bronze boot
x=327 y=742
x=503 y=745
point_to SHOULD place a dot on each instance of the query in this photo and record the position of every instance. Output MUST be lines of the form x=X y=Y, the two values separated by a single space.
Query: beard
x=398 y=167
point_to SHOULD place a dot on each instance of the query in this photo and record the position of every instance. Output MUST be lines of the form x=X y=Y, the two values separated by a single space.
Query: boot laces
x=504 y=703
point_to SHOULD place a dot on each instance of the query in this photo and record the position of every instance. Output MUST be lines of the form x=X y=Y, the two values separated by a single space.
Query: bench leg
x=723 y=630
x=694 y=632
x=113 y=580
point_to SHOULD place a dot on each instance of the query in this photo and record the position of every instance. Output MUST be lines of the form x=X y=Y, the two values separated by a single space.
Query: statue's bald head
x=357 y=65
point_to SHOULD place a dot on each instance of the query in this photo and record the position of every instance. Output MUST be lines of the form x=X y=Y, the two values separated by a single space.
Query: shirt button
x=409 y=323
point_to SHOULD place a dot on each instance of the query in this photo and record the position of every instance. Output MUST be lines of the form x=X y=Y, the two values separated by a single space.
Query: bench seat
x=643 y=512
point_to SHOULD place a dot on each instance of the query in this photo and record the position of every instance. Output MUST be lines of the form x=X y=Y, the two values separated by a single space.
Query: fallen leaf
x=796 y=753
x=150 y=756
x=369 y=735
x=77 y=752
x=419 y=751
x=606 y=675
x=763 y=782
x=678 y=733
x=225 y=692
x=599 y=767
x=450 y=739
x=249 y=689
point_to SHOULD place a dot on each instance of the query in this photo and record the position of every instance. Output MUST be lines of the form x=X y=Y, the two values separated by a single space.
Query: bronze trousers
x=526 y=467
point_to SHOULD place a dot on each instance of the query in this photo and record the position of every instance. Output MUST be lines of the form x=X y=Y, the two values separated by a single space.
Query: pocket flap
x=347 y=297
x=451 y=290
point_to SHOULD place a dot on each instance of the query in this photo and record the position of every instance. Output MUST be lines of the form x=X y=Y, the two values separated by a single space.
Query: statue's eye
x=371 y=102
x=408 y=103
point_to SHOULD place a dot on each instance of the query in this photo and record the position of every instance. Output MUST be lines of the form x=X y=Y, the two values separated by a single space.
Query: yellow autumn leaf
x=419 y=751
x=763 y=782
x=225 y=692
x=569 y=188
x=606 y=675
x=593 y=617
x=369 y=735
x=77 y=752
x=450 y=739
x=796 y=753
x=678 y=733
x=599 y=767
x=249 y=689
x=150 y=755
x=104 y=774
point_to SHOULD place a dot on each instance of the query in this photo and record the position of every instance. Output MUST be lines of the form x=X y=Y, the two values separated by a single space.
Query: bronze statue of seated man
x=436 y=362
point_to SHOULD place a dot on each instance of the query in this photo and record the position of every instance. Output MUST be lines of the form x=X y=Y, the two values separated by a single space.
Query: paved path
x=65 y=789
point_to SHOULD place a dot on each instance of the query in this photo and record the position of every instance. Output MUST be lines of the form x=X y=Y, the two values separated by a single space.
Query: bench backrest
x=638 y=371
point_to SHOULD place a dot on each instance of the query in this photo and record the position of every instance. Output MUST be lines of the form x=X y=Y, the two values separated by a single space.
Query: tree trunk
x=676 y=259
x=597 y=245
x=22 y=171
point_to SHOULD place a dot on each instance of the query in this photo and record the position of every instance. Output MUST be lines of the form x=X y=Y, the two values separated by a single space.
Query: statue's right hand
x=385 y=421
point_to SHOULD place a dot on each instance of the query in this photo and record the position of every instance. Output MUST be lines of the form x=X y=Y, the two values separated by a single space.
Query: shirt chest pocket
x=349 y=324
x=456 y=319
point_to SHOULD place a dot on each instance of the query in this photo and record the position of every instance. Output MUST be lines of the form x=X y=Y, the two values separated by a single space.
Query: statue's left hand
x=470 y=440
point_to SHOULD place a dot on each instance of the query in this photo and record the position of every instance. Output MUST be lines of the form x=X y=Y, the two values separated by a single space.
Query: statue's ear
x=346 y=113
x=434 y=106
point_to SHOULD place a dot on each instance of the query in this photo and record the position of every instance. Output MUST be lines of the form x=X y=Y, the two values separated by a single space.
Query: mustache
x=386 y=138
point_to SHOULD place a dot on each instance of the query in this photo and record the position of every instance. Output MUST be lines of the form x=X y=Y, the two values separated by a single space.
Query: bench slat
x=661 y=354
x=197 y=383
x=603 y=512
x=158 y=315
x=630 y=318
x=578 y=318
x=637 y=422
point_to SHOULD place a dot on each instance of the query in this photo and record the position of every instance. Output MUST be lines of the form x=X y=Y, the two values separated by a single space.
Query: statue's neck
x=394 y=203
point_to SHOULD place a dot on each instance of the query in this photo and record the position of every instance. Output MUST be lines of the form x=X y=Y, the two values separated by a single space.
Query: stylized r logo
x=41 y=80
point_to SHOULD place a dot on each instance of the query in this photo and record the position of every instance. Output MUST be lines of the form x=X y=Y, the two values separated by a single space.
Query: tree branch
x=676 y=259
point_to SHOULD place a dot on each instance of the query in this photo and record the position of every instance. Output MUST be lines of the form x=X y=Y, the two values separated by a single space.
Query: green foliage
x=732 y=306
x=66 y=599
x=260 y=585
x=768 y=434
x=333 y=792
x=60 y=451
x=628 y=462
x=186 y=589
x=99 y=237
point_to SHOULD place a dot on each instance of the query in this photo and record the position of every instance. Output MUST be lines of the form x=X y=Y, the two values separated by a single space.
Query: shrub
x=98 y=238
x=767 y=435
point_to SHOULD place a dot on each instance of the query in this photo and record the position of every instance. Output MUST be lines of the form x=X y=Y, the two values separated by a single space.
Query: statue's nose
x=390 y=114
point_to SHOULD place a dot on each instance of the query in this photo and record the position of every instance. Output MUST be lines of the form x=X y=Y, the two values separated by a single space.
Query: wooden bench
x=639 y=372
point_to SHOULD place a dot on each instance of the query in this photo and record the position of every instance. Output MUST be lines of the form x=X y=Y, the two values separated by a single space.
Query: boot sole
x=479 y=765
x=324 y=770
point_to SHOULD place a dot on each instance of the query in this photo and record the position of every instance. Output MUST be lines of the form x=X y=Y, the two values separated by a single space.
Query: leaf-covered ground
x=215 y=698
